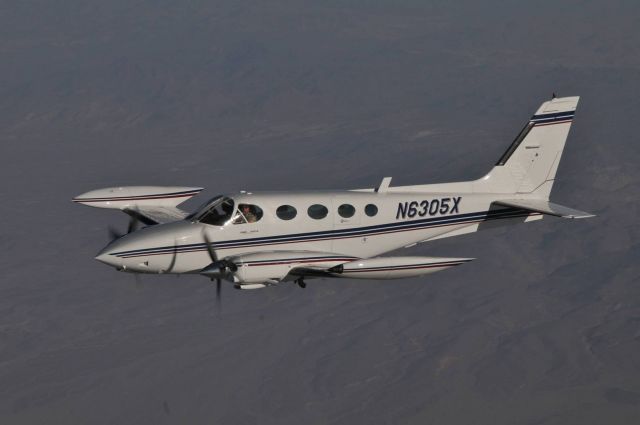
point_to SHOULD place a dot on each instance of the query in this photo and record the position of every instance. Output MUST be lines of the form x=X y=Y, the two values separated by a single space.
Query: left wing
x=261 y=269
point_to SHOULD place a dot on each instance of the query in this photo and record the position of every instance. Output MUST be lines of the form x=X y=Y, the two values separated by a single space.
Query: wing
x=150 y=215
x=262 y=269
x=149 y=204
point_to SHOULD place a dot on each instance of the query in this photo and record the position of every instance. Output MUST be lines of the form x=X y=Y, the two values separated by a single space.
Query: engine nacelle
x=274 y=266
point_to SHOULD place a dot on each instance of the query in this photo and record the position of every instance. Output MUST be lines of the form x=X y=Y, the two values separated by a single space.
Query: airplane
x=257 y=240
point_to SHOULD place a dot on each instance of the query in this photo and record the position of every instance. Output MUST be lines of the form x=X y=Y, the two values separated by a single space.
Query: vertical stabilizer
x=529 y=165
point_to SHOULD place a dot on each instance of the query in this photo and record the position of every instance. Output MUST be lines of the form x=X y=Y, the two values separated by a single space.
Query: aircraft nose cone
x=105 y=257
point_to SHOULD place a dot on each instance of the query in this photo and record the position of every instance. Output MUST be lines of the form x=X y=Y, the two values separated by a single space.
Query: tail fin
x=529 y=165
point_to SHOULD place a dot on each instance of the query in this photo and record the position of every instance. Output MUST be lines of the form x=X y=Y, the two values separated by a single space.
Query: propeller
x=132 y=227
x=212 y=253
x=136 y=277
x=218 y=291
x=115 y=234
x=173 y=258
x=216 y=268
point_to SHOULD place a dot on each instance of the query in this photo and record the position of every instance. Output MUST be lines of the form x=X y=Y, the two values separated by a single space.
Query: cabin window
x=317 y=211
x=219 y=213
x=346 y=210
x=371 y=210
x=286 y=212
x=248 y=213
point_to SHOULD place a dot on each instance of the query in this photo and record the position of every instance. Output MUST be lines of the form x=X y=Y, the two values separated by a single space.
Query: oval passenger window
x=286 y=212
x=346 y=210
x=371 y=210
x=317 y=211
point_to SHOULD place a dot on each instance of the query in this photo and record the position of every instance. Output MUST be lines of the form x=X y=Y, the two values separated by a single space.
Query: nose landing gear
x=301 y=283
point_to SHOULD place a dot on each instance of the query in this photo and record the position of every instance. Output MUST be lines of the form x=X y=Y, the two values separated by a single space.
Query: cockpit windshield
x=217 y=213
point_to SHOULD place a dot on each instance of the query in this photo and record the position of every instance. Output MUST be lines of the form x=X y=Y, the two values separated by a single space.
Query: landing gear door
x=345 y=213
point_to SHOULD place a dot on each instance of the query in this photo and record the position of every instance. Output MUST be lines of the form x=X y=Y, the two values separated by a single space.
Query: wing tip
x=579 y=216
x=460 y=261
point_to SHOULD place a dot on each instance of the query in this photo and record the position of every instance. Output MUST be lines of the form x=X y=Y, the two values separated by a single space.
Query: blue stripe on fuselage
x=332 y=234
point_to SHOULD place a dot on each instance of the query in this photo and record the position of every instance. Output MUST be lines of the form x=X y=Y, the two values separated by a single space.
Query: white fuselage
x=381 y=222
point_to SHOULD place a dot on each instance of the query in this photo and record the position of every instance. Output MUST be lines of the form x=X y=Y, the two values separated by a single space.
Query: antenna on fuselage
x=384 y=185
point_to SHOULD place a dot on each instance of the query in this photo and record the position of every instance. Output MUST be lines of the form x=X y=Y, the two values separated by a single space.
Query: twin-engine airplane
x=257 y=240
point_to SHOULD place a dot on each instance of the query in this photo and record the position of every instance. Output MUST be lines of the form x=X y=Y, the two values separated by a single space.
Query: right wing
x=149 y=204
x=150 y=215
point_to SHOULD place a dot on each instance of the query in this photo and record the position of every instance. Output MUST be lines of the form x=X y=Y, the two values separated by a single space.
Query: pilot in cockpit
x=248 y=214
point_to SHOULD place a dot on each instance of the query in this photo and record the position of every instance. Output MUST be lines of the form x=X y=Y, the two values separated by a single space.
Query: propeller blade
x=133 y=225
x=138 y=281
x=218 y=291
x=216 y=268
x=113 y=233
x=173 y=258
x=212 y=253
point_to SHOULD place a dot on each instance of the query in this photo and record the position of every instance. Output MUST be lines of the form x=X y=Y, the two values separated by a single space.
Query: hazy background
x=543 y=328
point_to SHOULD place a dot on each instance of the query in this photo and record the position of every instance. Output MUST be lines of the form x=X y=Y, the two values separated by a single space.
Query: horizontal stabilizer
x=544 y=207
